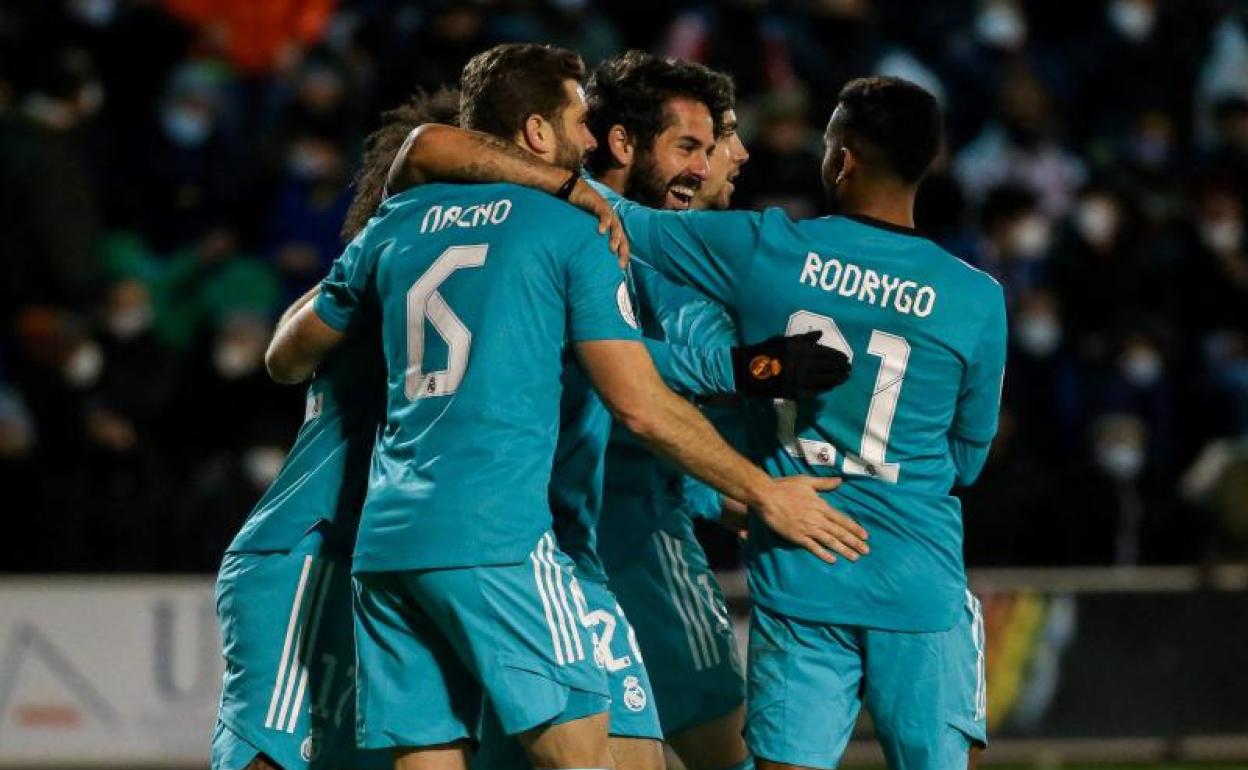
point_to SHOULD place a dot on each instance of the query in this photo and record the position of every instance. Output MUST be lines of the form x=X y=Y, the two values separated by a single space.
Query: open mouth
x=680 y=196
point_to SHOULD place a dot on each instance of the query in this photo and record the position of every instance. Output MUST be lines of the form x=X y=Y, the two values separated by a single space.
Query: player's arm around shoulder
x=710 y=251
x=317 y=322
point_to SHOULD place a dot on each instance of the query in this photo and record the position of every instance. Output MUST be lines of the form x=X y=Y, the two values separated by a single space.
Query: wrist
x=757 y=492
x=565 y=191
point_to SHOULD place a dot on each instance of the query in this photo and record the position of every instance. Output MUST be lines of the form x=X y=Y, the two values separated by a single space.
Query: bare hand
x=587 y=198
x=795 y=511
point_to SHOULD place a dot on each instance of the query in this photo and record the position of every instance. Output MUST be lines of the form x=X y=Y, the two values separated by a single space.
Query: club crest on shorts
x=634 y=695
x=310 y=748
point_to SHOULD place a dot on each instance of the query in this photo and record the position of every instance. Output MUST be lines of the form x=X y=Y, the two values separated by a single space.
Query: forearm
x=968 y=459
x=674 y=429
x=299 y=346
x=435 y=153
x=295 y=306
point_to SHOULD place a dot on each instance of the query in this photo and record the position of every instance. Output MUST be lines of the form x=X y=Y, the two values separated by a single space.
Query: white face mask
x=185 y=128
x=1030 y=239
x=1222 y=236
x=1134 y=19
x=261 y=464
x=1120 y=460
x=1142 y=367
x=1001 y=26
x=1096 y=221
x=130 y=323
x=234 y=361
x=1039 y=335
x=85 y=365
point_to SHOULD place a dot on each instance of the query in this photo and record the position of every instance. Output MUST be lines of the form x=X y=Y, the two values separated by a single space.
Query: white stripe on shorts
x=310 y=653
x=301 y=640
x=544 y=553
x=676 y=595
x=290 y=636
x=977 y=638
x=538 y=581
x=702 y=609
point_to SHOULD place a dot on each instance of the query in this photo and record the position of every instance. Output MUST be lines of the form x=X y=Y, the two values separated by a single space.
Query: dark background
x=173 y=173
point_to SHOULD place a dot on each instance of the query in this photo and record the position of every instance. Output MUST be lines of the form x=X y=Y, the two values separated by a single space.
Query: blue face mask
x=185 y=128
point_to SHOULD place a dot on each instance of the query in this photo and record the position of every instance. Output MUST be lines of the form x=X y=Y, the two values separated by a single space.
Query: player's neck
x=615 y=178
x=892 y=205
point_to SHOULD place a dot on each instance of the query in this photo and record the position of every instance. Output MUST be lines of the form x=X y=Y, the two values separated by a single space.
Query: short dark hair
x=500 y=88
x=631 y=90
x=893 y=120
x=383 y=144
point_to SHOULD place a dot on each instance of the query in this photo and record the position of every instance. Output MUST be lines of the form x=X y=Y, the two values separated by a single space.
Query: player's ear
x=538 y=134
x=621 y=145
x=849 y=164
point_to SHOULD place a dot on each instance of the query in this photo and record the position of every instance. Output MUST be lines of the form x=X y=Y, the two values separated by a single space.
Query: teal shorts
x=677 y=609
x=289 y=686
x=925 y=691
x=633 y=710
x=434 y=644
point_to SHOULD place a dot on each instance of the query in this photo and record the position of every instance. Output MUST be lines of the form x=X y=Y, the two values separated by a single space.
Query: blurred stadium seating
x=173 y=172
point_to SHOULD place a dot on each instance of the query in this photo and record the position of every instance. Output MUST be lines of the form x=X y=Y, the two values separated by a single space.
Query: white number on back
x=894 y=353
x=425 y=301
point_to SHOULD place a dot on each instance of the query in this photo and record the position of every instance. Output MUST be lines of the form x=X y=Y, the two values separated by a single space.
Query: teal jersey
x=323 y=480
x=478 y=288
x=576 y=489
x=926 y=334
x=645 y=493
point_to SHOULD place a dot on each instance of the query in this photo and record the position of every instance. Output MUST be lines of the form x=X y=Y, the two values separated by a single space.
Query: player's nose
x=700 y=164
x=591 y=143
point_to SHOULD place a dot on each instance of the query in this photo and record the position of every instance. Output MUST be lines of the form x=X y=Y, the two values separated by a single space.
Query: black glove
x=788 y=367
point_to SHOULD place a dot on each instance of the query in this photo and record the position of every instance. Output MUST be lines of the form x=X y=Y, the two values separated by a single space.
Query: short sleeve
x=343 y=291
x=710 y=251
x=979 y=400
x=600 y=306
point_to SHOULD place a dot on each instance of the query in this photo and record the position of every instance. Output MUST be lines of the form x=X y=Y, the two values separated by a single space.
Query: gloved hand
x=788 y=367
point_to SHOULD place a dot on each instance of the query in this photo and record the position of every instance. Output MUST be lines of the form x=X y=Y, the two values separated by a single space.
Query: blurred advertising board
x=102 y=671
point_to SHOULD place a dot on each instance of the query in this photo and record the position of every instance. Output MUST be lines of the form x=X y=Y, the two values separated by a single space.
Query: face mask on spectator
x=1133 y=19
x=185 y=127
x=309 y=164
x=83 y=367
x=1038 y=334
x=1121 y=460
x=1221 y=236
x=1141 y=366
x=1030 y=238
x=261 y=464
x=1001 y=26
x=130 y=322
x=1096 y=221
x=234 y=360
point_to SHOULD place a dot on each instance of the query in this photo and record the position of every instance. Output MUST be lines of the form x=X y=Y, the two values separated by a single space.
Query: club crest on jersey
x=764 y=367
x=310 y=748
x=626 y=305
x=634 y=695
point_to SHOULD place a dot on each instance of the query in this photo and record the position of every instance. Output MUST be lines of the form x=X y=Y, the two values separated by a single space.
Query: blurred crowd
x=174 y=172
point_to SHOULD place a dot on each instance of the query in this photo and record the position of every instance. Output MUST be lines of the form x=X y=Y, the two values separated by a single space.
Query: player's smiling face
x=571 y=131
x=726 y=160
x=669 y=174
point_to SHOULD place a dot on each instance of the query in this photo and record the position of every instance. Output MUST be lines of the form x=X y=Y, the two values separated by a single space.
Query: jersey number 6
x=425 y=301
